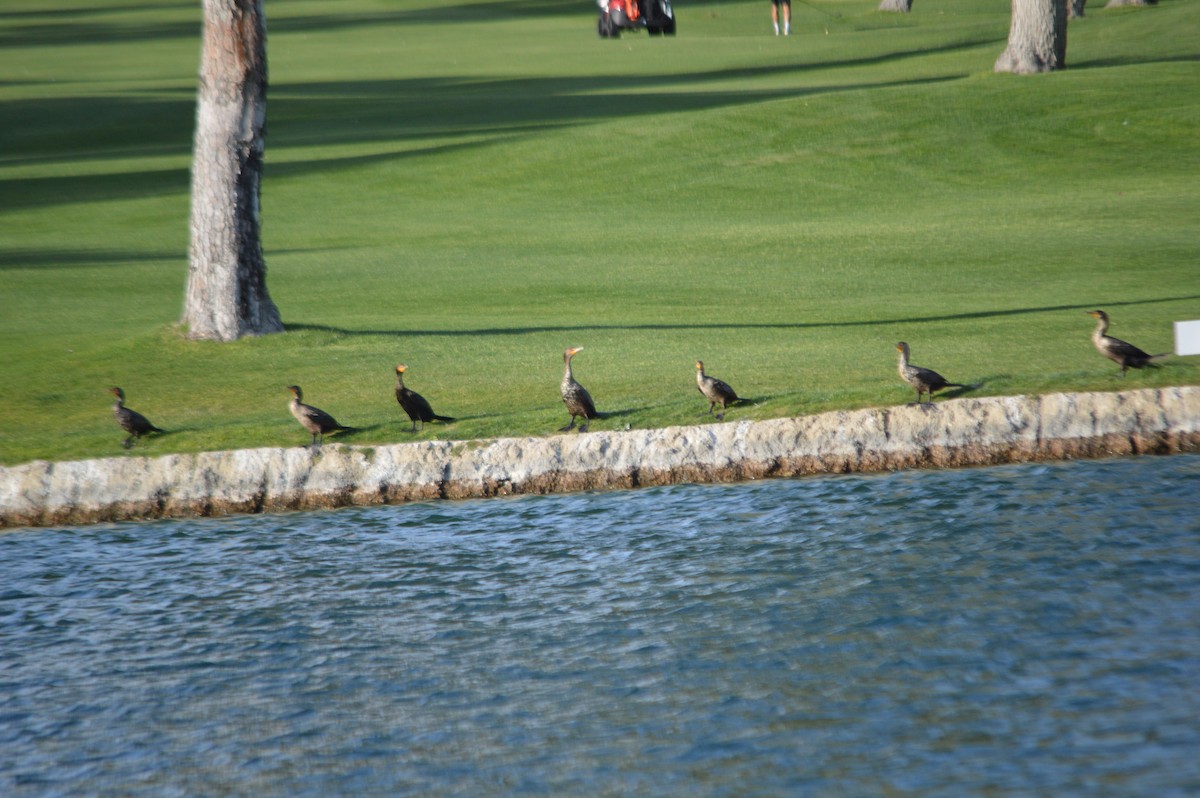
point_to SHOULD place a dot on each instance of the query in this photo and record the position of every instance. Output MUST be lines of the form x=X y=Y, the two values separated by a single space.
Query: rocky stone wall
x=958 y=432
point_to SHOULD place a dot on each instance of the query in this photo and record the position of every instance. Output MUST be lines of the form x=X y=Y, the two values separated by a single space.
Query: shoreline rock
x=953 y=433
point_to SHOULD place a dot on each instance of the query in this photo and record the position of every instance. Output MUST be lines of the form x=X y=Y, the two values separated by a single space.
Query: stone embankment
x=958 y=432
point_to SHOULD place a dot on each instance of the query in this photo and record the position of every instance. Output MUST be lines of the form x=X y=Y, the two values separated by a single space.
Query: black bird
x=575 y=396
x=1123 y=353
x=925 y=381
x=717 y=392
x=313 y=419
x=414 y=404
x=131 y=421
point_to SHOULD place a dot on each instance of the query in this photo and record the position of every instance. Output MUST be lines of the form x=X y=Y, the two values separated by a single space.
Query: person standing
x=786 y=5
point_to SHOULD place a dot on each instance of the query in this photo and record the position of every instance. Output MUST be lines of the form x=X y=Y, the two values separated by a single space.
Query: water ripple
x=1015 y=630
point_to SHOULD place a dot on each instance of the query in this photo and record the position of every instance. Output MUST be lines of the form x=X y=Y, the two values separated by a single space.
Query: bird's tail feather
x=447 y=419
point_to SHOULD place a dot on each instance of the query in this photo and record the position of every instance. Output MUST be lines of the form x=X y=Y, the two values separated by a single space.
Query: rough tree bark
x=1037 y=38
x=226 y=294
x=896 y=5
x=1075 y=9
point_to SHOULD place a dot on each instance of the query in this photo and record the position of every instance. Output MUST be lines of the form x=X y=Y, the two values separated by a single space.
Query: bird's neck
x=1101 y=329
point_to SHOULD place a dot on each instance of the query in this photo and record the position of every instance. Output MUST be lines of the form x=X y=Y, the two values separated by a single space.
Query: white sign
x=1187 y=337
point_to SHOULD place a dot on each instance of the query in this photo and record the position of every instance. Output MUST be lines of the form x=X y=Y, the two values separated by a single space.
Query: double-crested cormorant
x=575 y=396
x=131 y=421
x=313 y=419
x=925 y=381
x=414 y=404
x=1123 y=353
x=714 y=390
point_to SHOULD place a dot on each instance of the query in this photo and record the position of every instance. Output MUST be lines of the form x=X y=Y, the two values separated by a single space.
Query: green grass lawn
x=471 y=188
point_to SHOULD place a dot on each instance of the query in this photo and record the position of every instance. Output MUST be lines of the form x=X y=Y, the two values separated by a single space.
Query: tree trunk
x=1037 y=38
x=896 y=5
x=227 y=295
x=1075 y=9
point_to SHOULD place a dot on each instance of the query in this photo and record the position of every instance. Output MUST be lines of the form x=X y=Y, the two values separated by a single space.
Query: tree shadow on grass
x=472 y=112
x=474 y=115
x=112 y=25
x=26 y=193
x=895 y=321
x=26 y=258
x=1123 y=61
x=103 y=25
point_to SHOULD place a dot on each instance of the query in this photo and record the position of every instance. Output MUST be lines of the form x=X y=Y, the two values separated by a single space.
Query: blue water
x=1030 y=630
